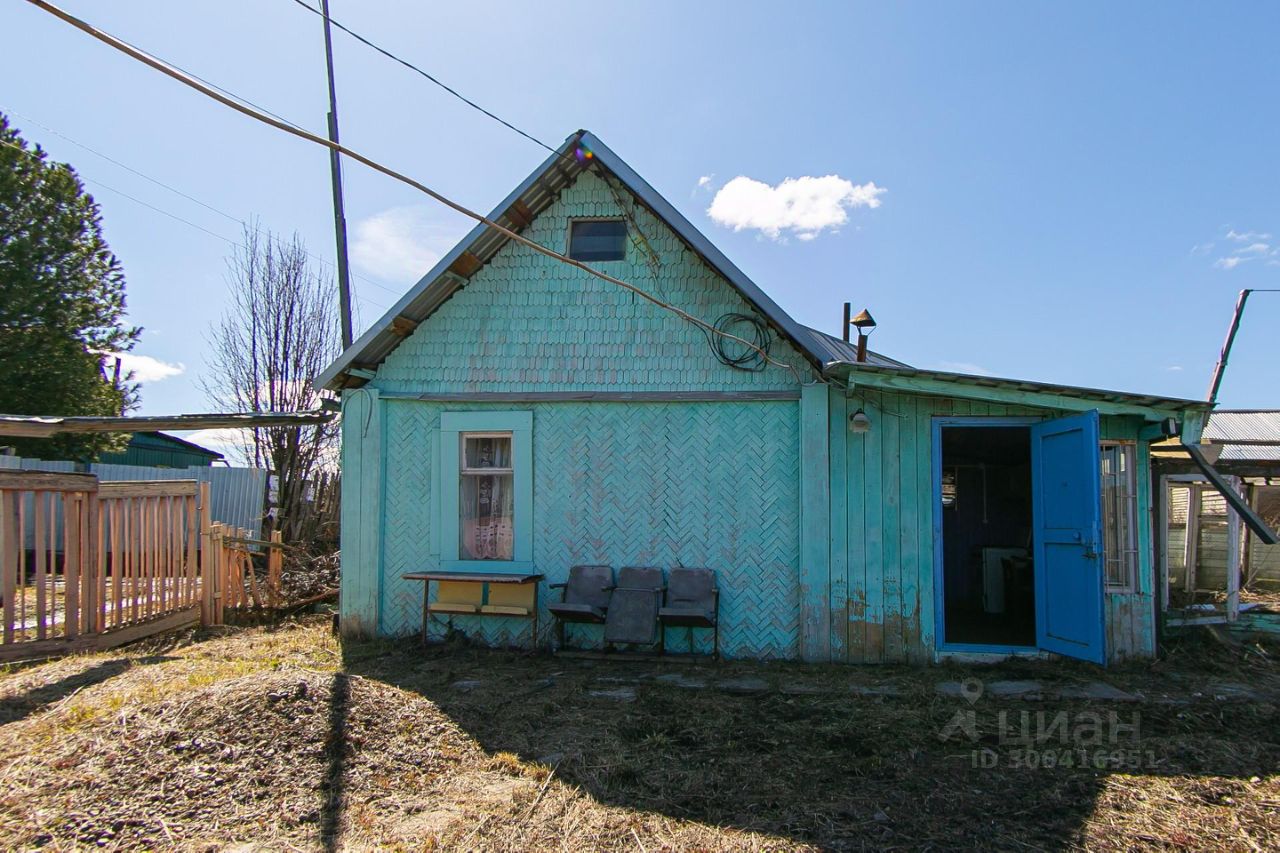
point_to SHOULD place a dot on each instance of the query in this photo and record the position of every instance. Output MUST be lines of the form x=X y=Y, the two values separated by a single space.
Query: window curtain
x=487 y=501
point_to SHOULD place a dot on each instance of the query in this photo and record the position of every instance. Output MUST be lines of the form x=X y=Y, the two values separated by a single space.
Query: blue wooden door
x=1068 y=553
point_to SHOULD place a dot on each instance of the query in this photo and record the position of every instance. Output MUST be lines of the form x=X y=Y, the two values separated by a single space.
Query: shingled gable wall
x=714 y=484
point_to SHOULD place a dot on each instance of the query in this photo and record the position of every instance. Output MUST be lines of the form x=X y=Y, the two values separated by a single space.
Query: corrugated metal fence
x=235 y=493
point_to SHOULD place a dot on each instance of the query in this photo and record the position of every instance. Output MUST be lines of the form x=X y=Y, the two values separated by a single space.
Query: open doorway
x=989 y=584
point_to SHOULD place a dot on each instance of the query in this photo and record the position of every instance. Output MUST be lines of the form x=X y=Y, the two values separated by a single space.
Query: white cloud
x=964 y=367
x=705 y=180
x=1229 y=263
x=229 y=442
x=1174 y=368
x=804 y=207
x=1253 y=249
x=1246 y=236
x=145 y=368
x=398 y=245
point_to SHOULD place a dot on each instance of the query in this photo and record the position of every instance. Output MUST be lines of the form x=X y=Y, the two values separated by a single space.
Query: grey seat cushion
x=591 y=585
x=691 y=597
x=571 y=612
x=633 y=610
x=687 y=616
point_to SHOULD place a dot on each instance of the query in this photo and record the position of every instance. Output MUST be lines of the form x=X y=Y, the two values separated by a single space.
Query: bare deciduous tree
x=280 y=332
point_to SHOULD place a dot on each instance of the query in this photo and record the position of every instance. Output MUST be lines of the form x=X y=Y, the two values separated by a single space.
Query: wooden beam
x=149 y=488
x=597 y=396
x=815 y=525
x=403 y=326
x=1046 y=399
x=466 y=265
x=18 y=426
x=35 y=649
x=520 y=214
x=31 y=481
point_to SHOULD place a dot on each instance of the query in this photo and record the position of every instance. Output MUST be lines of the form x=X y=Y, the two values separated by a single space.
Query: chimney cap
x=864 y=321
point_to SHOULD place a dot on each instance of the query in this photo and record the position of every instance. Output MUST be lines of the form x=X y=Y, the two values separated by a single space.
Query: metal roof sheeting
x=1238 y=429
x=1118 y=397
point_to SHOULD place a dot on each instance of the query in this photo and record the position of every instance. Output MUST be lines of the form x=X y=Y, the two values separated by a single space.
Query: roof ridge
x=536 y=192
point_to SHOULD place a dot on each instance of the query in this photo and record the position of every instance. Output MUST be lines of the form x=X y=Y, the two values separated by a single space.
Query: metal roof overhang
x=1190 y=413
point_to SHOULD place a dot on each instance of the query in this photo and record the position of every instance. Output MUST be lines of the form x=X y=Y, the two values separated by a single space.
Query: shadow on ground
x=845 y=757
x=38 y=698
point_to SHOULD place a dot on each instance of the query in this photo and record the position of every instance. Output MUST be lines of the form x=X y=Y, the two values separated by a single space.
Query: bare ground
x=278 y=738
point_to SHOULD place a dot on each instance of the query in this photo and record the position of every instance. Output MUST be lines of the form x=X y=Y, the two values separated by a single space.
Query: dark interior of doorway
x=989 y=585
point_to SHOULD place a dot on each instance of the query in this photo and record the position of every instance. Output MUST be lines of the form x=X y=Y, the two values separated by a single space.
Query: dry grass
x=280 y=739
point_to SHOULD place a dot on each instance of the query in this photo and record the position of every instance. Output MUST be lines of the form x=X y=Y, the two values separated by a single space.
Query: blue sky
x=1070 y=192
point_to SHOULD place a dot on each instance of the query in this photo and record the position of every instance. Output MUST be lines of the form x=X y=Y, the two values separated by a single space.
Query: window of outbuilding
x=1119 y=515
x=486 y=490
x=598 y=239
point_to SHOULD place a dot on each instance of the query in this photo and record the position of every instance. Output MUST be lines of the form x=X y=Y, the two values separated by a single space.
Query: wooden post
x=207 y=562
x=88 y=506
x=1233 y=557
x=193 y=549
x=275 y=569
x=1192 y=544
x=1246 y=537
x=70 y=564
x=815 y=520
x=217 y=575
x=43 y=563
x=8 y=558
x=99 y=519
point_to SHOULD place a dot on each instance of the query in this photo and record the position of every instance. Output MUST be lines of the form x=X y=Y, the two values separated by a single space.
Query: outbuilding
x=514 y=413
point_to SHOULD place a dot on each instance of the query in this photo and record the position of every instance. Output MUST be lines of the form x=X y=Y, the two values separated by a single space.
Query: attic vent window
x=598 y=239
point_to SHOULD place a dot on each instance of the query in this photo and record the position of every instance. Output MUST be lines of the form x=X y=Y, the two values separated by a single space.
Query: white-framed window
x=485 y=487
x=486 y=496
x=1120 y=515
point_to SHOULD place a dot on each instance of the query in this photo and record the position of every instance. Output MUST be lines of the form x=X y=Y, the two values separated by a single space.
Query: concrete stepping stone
x=1030 y=690
x=876 y=690
x=795 y=688
x=1097 y=690
x=618 y=694
x=679 y=679
x=745 y=684
x=466 y=685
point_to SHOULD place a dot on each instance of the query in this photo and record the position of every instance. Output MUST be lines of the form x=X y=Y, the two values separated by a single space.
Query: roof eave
x=1013 y=391
x=354 y=367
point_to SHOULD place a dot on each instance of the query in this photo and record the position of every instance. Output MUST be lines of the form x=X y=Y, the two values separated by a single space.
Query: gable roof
x=534 y=195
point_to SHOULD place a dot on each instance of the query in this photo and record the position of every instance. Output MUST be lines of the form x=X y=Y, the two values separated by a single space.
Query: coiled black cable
x=752 y=360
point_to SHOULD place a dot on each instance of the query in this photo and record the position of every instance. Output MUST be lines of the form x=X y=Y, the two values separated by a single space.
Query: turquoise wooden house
x=852 y=511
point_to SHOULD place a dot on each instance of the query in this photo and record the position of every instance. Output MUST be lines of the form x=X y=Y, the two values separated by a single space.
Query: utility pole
x=1216 y=382
x=335 y=168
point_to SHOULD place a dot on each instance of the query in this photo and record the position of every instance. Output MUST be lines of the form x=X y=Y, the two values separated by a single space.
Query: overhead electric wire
x=257 y=114
x=638 y=239
x=170 y=214
x=175 y=191
x=407 y=64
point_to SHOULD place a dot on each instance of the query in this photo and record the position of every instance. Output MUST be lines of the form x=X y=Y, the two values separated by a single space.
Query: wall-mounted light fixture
x=859 y=422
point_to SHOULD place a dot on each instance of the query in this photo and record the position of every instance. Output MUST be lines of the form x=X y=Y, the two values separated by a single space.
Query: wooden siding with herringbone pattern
x=667 y=484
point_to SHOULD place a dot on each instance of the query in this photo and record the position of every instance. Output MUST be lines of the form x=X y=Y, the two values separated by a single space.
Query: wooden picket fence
x=238 y=583
x=90 y=565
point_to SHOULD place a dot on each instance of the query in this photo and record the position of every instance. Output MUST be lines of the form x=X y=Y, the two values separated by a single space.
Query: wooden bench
x=480 y=594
